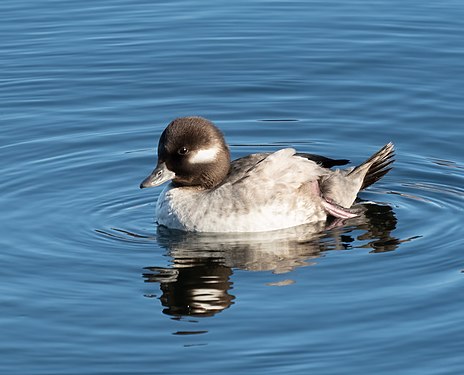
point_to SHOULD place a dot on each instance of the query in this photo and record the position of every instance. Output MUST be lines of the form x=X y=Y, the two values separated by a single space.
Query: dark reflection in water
x=198 y=287
x=198 y=282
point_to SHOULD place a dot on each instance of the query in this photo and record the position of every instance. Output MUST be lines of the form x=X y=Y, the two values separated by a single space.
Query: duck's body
x=260 y=192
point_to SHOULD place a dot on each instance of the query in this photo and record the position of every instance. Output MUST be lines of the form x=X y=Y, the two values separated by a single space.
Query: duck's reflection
x=196 y=288
x=198 y=282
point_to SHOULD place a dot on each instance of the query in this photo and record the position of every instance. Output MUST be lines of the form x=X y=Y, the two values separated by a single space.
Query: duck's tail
x=342 y=186
x=376 y=166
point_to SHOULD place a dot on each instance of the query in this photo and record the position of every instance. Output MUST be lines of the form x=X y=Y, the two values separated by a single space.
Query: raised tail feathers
x=342 y=186
x=378 y=165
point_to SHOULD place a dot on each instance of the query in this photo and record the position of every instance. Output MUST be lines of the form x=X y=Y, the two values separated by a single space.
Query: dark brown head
x=191 y=152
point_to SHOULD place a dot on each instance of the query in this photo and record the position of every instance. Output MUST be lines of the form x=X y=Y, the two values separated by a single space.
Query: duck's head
x=191 y=152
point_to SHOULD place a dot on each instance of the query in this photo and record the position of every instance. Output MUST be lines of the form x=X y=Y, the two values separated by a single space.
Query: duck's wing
x=322 y=160
x=240 y=167
x=283 y=168
x=282 y=187
x=285 y=174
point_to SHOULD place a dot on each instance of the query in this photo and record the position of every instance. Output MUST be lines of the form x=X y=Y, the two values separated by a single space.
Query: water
x=90 y=285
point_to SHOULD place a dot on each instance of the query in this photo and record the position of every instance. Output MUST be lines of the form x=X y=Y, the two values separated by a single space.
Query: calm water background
x=89 y=285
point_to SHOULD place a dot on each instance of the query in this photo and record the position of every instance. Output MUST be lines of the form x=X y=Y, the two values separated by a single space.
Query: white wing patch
x=205 y=155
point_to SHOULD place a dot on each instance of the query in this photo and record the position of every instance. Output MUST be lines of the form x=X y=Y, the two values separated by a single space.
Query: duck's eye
x=182 y=151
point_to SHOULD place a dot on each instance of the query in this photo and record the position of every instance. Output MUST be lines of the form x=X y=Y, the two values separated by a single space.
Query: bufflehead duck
x=259 y=192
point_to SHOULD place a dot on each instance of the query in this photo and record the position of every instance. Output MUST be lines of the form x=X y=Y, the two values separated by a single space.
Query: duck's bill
x=160 y=175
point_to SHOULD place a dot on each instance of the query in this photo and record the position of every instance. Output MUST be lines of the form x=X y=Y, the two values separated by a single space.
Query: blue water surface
x=90 y=285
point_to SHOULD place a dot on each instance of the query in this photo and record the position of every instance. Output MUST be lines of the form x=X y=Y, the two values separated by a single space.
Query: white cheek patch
x=205 y=155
